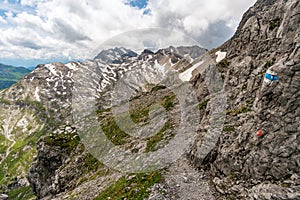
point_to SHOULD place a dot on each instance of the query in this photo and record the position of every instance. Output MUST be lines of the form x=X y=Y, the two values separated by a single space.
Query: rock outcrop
x=267 y=39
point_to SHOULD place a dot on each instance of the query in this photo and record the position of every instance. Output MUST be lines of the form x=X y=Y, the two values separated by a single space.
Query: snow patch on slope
x=22 y=122
x=52 y=69
x=36 y=94
x=187 y=75
x=72 y=66
x=220 y=56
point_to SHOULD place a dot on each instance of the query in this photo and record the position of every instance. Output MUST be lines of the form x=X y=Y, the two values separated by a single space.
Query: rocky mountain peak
x=147 y=51
x=116 y=55
x=272 y=24
x=192 y=51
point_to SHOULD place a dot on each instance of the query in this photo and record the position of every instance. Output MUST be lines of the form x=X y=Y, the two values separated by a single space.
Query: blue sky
x=42 y=31
x=139 y=3
x=13 y=6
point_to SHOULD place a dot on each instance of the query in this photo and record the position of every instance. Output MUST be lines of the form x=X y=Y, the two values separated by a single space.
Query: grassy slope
x=10 y=75
x=17 y=152
x=136 y=186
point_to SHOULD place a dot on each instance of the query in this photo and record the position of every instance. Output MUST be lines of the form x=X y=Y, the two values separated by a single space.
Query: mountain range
x=246 y=141
x=9 y=75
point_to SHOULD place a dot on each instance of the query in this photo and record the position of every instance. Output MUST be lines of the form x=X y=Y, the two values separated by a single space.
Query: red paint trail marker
x=259 y=133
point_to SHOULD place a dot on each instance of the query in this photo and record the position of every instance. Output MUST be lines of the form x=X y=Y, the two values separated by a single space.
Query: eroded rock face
x=273 y=191
x=267 y=38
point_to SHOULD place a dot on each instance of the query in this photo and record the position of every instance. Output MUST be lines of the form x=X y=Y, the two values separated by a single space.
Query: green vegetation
x=224 y=63
x=250 y=102
x=269 y=63
x=90 y=163
x=169 y=102
x=111 y=129
x=34 y=105
x=274 y=23
x=131 y=187
x=4 y=101
x=91 y=169
x=203 y=104
x=119 y=137
x=100 y=111
x=241 y=109
x=17 y=155
x=18 y=161
x=153 y=141
x=285 y=185
x=157 y=87
x=38 y=106
x=139 y=115
x=65 y=140
x=229 y=128
x=244 y=87
x=6 y=84
x=9 y=75
x=21 y=193
x=4 y=144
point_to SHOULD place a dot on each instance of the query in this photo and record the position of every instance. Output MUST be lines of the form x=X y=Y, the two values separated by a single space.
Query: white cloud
x=2 y=20
x=195 y=17
x=4 y=5
x=150 y=38
x=45 y=29
x=31 y=3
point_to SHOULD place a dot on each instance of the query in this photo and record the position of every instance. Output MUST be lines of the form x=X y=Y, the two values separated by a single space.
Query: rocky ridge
x=242 y=164
x=248 y=165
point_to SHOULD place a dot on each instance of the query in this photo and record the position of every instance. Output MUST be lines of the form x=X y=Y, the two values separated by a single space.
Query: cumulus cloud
x=148 y=38
x=2 y=20
x=203 y=20
x=4 y=5
x=55 y=29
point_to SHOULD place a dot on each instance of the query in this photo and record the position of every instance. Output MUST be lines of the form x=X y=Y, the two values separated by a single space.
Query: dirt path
x=183 y=182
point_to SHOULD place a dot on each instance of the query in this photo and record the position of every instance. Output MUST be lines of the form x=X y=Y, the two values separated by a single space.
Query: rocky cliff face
x=267 y=39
